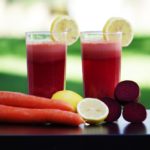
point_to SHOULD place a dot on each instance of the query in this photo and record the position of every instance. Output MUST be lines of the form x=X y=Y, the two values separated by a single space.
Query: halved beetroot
x=134 y=112
x=127 y=91
x=114 y=109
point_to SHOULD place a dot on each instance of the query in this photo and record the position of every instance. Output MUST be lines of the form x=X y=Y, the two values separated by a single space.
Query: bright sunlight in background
x=17 y=17
x=94 y=13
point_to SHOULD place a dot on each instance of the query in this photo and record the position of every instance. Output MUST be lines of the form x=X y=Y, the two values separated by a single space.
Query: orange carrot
x=28 y=115
x=29 y=101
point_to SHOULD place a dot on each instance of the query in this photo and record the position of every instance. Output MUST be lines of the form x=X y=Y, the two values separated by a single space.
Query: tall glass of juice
x=46 y=63
x=101 y=63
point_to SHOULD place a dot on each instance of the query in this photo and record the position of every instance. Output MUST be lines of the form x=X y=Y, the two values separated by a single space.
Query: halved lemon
x=92 y=110
x=117 y=24
x=66 y=25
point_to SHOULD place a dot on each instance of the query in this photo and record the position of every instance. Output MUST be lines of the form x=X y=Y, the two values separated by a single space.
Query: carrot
x=28 y=115
x=29 y=101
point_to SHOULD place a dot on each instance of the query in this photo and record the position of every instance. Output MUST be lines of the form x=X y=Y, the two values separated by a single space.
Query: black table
x=118 y=135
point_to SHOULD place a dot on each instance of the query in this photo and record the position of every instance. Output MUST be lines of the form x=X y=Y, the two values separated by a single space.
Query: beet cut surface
x=134 y=112
x=127 y=91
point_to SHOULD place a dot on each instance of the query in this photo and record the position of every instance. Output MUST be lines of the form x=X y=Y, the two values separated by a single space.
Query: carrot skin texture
x=29 y=101
x=12 y=114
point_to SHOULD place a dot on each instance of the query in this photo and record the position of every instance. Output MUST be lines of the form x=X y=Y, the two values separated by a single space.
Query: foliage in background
x=14 y=46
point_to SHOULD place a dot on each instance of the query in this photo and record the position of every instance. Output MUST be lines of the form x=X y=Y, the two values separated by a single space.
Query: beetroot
x=114 y=109
x=127 y=91
x=134 y=112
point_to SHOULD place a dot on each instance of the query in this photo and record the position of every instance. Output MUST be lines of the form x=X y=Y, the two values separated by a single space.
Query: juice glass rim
x=99 y=36
x=43 y=32
x=46 y=35
x=101 y=32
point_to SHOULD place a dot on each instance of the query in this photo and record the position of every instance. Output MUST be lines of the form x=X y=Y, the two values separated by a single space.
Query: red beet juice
x=101 y=62
x=46 y=68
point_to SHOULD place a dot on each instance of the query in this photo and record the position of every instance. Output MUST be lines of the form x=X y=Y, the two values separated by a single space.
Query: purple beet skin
x=127 y=91
x=114 y=109
x=134 y=112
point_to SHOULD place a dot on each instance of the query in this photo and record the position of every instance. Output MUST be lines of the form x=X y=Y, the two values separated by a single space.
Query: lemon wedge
x=117 y=24
x=66 y=25
x=92 y=110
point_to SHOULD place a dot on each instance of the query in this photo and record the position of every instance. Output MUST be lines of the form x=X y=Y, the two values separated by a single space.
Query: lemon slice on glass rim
x=118 y=24
x=92 y=110
x=66 y=25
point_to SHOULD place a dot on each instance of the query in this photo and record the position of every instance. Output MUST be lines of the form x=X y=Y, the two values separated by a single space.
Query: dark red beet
x=134 y=112
x=114 y=109
x=127 y=91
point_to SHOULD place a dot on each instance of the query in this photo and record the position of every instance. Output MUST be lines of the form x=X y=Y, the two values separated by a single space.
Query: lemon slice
x=116 y=24
x=92 y=110
x=66 y=25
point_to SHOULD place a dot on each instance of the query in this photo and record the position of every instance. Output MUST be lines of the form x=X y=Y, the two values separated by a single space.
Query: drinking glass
x=101 y=63
x=46 y=63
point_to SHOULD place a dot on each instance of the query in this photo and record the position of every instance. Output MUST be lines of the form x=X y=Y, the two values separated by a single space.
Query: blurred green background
x=21 y=16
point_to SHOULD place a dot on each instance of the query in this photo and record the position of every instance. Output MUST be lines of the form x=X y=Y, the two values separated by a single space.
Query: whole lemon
x=68 y=96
